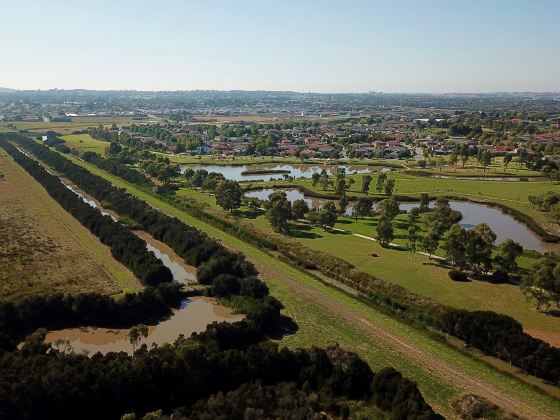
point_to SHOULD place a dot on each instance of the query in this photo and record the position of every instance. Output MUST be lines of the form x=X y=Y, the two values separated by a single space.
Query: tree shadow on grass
x=303 y=231
x=248 y=213
x=286 y=326
x=553 y=312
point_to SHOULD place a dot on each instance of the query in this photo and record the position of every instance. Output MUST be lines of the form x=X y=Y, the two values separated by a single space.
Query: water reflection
x=296 y=171
x=193 y=316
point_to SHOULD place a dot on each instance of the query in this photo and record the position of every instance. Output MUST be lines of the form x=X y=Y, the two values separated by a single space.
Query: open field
x=325 y=315
x=86 y=143
x=44 y=249
x=77 y=123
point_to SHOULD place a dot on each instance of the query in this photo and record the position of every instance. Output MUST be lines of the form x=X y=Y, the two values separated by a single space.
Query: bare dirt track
x=437 y=367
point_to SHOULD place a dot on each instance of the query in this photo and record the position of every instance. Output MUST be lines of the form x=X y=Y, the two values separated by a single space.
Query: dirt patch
x=551 y=338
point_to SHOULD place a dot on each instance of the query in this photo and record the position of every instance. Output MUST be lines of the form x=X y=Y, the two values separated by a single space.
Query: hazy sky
x=304 y=45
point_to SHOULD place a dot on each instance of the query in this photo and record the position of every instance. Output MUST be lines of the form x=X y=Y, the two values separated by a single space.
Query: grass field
x=86 y=143
x=412 y=271
x=44 y=249
x=320 y=323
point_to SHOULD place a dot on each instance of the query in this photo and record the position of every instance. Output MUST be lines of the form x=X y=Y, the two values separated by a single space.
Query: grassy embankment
x=320 y=326
x=44 y=249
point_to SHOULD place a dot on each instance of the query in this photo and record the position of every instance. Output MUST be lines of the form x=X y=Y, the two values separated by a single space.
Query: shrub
x=457 y=275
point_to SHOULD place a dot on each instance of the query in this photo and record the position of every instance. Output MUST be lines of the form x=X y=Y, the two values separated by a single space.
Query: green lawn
x=86 y=143
x=320 y=327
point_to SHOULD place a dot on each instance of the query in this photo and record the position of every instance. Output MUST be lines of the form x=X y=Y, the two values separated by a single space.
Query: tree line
x=125 y=246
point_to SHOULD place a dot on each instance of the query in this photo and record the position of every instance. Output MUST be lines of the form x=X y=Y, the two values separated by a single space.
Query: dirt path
x=439 y=368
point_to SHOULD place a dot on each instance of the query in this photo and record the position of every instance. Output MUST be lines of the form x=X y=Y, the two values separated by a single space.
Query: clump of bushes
x=457 y=275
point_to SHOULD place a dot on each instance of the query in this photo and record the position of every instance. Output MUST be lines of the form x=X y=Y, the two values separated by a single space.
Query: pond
x=193 y=315
x=235 y=172
x=502 y=224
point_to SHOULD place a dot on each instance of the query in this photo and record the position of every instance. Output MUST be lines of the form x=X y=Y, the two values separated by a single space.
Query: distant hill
x=3 y=89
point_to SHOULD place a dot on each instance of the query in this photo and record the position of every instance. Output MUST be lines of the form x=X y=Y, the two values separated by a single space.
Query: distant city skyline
x=308 y=46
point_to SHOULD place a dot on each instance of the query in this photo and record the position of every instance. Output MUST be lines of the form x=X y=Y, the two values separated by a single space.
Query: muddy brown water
x=193 y=316
x=182 y=272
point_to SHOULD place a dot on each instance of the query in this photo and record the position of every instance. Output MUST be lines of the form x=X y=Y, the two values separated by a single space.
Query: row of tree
x=125 y=246
x=116 y=168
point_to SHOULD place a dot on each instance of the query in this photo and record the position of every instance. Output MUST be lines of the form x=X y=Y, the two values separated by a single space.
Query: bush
x=457 y=275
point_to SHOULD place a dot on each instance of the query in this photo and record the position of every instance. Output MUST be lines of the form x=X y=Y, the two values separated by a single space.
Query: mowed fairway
x=85 y=143
x=43 y=249
x=325 y=316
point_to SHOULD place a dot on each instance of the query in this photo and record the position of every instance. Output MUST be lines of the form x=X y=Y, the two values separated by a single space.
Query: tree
x=413 y=215
x=315 y=178
x=543 y=282
x=278 y=211
x=366 y=181
x=384 y=232
x=136 y=333
x=388 y=208
x=324 y=179
x=328 y=215
x=424 y=202
x=380 y=182
x=430 y=242
x=486 y=158
x=412 y=237
x=342 y=204
x=453 y=158
x=480 y=242
x=363 y=207
x=198 y=178
x=465 y=153
x=389 y=186
x=455 y=246
x=229 y=194
x=507 y=160
x=506 y=256
x=340 y=186
x=349 y=183
x=299 y=208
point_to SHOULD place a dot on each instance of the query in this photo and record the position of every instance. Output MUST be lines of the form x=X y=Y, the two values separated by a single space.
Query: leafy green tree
x=366 y=181
x=136 y=333
x=424 y=202
x=229 y=194
x=340 y=186
x=278 y=211
x=381 y=182
x=480 y=242
x=363 y=207
x=455 y=246
x=430 y=242
x=507 y=253
x=507 y=160
x=349 y=183
x=384 y=232
x=315 y=178
x=465 y=153
x=543 y=282
x=388 y=208
x=328 y=215
x=342 y=204
x=413 y=215
x=324 y=179
x=299 y=209
x=389 y=186
x=413 y=237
